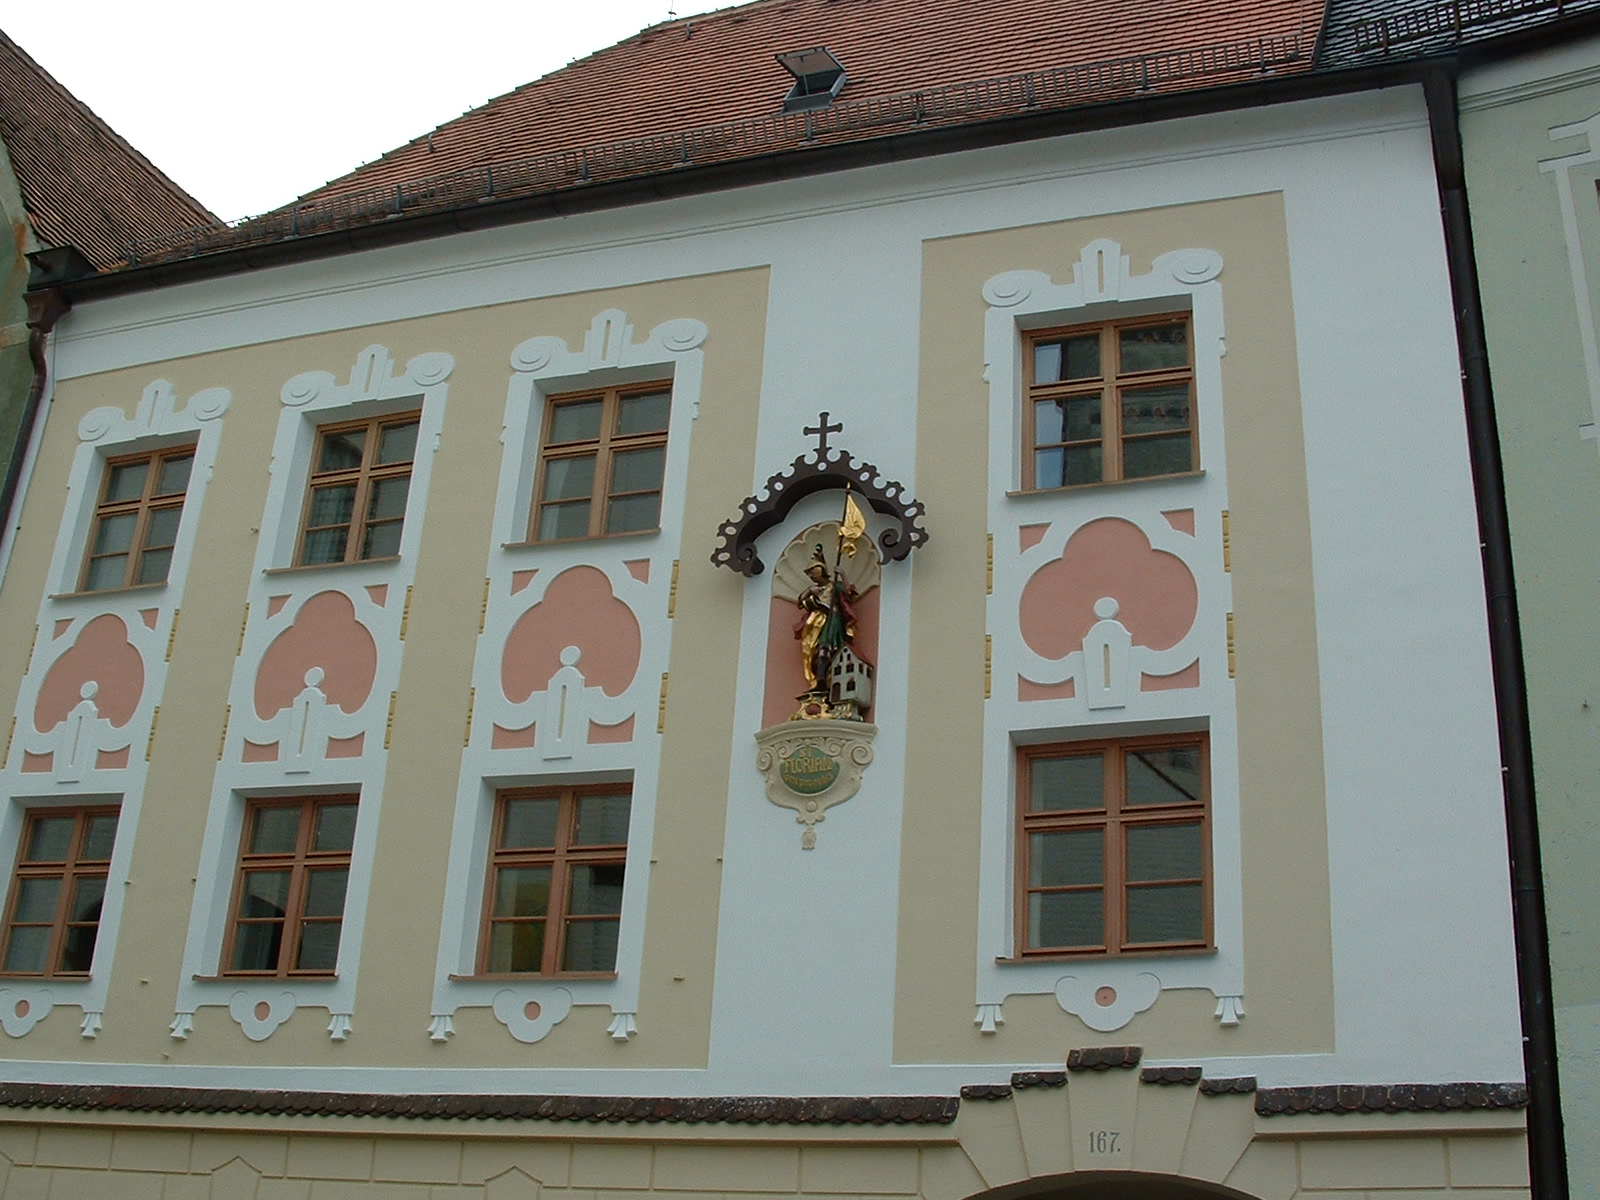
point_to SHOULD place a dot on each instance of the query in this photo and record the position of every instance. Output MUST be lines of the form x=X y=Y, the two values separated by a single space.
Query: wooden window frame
x=142 y=507
x=300 y=863
x=1114 y=820
x=363 y=477
x=560 y=859
x=74 y=868
x=605 y=448
x=1109 y=388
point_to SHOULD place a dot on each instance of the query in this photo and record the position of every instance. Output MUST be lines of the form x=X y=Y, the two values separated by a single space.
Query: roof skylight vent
x=818 y=77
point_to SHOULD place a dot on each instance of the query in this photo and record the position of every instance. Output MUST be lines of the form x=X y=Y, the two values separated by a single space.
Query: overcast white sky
x=248 y=105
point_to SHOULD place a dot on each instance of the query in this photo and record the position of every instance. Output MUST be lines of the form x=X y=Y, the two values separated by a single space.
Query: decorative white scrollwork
x=812 y=765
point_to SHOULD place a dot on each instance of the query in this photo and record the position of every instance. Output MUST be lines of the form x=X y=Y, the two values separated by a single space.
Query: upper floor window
x=53 y=914
x=360 y=479
x=1114 y=846
x=136 y=519
x=294 y=865
x=554 y=902
x=601 y=462
x=1109 y=401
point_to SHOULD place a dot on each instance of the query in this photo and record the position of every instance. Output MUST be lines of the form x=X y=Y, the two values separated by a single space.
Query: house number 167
x=1103 y=1141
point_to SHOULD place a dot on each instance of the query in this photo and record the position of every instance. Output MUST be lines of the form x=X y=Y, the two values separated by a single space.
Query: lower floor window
x=53 y=913
x=1114 y=846
x=554 y=902
x=288 y=906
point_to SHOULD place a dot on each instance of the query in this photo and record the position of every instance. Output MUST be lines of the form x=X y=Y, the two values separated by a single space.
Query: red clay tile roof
x=82 y=184
x=719 y=67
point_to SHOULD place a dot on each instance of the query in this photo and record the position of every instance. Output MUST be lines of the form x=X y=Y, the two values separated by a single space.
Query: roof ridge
x=102 y=126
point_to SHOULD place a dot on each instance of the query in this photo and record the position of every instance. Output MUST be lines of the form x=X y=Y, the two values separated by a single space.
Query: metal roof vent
x=818 y=76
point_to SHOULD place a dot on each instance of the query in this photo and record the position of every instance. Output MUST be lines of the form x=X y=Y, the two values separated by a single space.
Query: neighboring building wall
x=16 y=367
x=1333 y=647
x=1531 y=133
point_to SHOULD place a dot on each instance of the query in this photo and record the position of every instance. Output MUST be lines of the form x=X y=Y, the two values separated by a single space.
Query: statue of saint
x=827 y=620
x=838 y=680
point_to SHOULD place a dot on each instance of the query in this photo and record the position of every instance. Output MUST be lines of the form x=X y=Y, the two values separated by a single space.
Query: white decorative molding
x=567 y=726
x=1561 y=170
x=1230 y=1010
x=22 y=1007
x=623 y=1026
x=988 y=1019
x=812 y=765
x=1108 y=684
x=91 y=1025
x=182 y=1026
x=293 y=748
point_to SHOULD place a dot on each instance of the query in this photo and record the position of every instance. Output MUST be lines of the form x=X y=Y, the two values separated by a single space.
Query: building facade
x=425 y=780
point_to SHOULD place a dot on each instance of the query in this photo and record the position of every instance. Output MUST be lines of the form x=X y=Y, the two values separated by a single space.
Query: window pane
x=332 y=505
x=36 y=899
x=1165 y=776
x=106 y=573
x=596 y=891
x=530 y=824
x=1047 y=423
x=255 y=946
x=1155 y=347
x=342 y=451
x=522 y=892
x=638 y=470
x=1155 y=410
x=1165 y=914
x=51 y=839
x=87 y=898
x=644 y=414
x=277 y=830
x=162 y=529
x=126 y=482
x=397 y=443
x=1075 y=782
x=98 y=839
x=630 y=514
x=1169 y=455
x=579 y=422
x=1065 y=920
x=77 y=947
x=388 y=498
x=516 y=947
x=1075 y=856
x=1047 y=362
x=153 y=566
x=1164 y=852
x=602 y=820
x=325 y=892
x=1047 y=468
x=26 y=950
x=115 y=534
x=558 y=521
x=265 y=894
x=174 y=477
x=591 y=946
x=382 y=540
x=319 y=946
x=569 y=478
x=336 y=827
x=326 y=546
x=1078 y=464
x=1071 y=358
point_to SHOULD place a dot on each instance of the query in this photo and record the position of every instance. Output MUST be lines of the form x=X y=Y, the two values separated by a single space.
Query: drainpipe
x=1547 y=1159
x=45 y=308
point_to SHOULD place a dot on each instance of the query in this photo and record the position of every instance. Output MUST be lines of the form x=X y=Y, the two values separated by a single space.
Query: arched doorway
x=1113 y=1185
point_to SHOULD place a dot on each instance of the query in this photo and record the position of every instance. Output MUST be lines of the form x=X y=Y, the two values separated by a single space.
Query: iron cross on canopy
x=820 y=431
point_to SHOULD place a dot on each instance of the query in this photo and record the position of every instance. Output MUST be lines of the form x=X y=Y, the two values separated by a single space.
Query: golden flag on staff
x=852 y=527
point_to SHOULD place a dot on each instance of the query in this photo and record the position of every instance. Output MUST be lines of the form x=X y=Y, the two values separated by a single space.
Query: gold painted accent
x=483 y=612
x=661 y=709
x=388 y=726
x=405 y=613
x=1227 y=543
x=222 y=742
x=672 y=593
x=172 y=636
x=31 y=644
x=989 y=576
x=150 y=743
x=244 y=623
x=988 y=663
x=5 y=758
x=1230 y=645
x=472 y=700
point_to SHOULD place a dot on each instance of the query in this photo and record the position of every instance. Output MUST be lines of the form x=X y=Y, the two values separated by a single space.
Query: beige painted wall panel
x=1161 y=1123
x=1288 y=947
x=1219 y=1134
x=1269 y=1170
x=610 y=1166
x=727 y=1169
x=550 y=1163
x=992 y=1137
x=1044 y=1116
x=422 y=1160
x=948 y=1174
x=1488 y=1162
x=1103 y=1133
x=150 y=1150
x=858 y=1169
x=1395 y=1163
